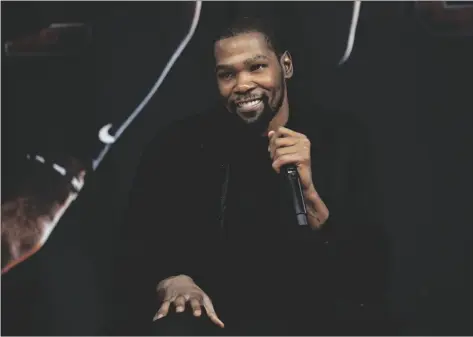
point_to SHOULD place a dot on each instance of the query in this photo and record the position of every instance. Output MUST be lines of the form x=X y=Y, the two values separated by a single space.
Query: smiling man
x=217 y=230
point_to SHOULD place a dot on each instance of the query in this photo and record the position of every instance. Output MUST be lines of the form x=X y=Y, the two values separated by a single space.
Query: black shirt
x=258 y=252
x=256 y=226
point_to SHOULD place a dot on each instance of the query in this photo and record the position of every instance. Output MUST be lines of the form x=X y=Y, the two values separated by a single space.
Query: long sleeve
x=162 y=208
x=157 y=237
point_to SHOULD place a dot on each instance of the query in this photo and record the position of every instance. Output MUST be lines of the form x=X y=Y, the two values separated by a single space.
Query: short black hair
x=247 y=24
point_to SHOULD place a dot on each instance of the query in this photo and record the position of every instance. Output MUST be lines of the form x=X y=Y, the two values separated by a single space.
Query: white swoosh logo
x=104 y=136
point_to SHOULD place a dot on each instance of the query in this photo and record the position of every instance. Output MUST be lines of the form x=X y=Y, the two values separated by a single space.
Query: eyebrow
x=246 y=62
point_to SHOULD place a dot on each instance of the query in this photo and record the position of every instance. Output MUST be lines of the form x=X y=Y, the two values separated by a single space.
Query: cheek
x=267 y=81
x=279 y=85
x=270 y=81
x=224 y=89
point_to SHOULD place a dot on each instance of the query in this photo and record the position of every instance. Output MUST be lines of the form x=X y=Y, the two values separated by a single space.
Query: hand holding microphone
x=290 y=152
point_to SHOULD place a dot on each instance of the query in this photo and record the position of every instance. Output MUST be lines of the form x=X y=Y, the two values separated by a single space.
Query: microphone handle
x=294 y=184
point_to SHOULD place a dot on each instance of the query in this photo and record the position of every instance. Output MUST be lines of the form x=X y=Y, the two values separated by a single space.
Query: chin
x=250 y=120
x=250 y=117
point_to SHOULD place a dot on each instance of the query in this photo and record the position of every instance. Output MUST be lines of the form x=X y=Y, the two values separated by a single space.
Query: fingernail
x=179 y=309
x=197 y=313
x=156 y=317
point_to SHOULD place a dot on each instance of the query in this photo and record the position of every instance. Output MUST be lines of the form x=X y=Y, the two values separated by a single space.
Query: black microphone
x=291 y=176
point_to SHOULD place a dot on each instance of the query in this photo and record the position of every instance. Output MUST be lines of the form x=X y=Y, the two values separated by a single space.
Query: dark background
x=412 y=88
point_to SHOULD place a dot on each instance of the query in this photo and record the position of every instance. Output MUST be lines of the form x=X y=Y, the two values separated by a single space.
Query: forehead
x=236 y=49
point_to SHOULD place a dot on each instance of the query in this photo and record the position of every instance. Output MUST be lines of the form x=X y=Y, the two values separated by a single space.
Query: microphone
x=294 y=186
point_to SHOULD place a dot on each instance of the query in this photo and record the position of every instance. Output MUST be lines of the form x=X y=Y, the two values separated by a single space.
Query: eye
x=259 y=66
x=225 y=75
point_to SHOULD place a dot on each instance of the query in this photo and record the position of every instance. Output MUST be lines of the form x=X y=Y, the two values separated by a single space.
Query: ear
x=286 y=64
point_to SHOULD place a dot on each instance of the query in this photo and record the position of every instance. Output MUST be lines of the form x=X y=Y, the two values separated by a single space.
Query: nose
x=244 y=84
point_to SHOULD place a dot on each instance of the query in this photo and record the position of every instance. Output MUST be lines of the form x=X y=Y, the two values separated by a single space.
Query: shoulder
x=340 y=133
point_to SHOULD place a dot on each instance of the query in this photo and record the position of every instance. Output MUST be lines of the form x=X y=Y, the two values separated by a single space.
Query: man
x=223 y=238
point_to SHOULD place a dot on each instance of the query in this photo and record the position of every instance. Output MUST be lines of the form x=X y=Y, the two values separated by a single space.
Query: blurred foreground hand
x=44 y=192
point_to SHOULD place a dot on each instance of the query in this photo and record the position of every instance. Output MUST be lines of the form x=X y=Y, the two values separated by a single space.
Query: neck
x=281 y=117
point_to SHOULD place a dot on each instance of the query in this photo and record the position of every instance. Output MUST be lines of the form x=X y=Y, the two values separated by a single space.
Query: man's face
x=250 y=77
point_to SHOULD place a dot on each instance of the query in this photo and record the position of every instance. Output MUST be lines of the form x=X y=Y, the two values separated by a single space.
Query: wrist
x=317 y=211
x=310 y=198
x=310 y=194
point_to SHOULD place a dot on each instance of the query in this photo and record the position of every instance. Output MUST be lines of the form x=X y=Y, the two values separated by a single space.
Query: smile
x=249 y=104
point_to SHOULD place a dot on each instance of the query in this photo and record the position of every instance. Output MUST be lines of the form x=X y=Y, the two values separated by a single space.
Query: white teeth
x=249 y=104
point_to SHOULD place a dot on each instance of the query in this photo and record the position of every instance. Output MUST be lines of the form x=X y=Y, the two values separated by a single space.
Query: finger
x=283 y=137
x=214 y=318
x=209 y=308
x=285 y=142
x=277 y=153
x=281 y=143
x=291 y=158
x=272 y=135
x=285 y=132
x=195 y=305
x=163 y=310
x=180 y=303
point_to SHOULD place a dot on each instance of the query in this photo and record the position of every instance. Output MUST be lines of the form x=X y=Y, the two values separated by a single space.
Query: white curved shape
x=40 y=159
x=104 y=135
x=169 y=65
x=352 y=32
x=58 y=168
x=78 y=183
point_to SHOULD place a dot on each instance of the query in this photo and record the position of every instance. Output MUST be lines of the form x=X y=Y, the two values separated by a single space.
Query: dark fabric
x=185 y=324
x=259 y=266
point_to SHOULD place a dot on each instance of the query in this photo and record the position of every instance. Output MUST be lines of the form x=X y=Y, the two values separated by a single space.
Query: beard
x=259 y=125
